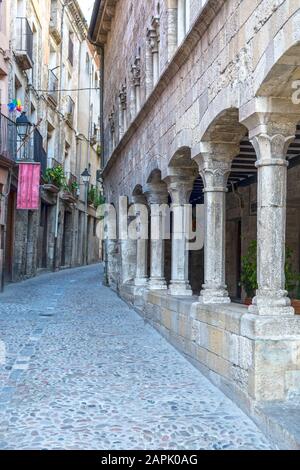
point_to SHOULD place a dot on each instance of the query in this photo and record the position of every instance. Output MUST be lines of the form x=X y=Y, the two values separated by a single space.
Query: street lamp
x=86 y=176
x=23 y=126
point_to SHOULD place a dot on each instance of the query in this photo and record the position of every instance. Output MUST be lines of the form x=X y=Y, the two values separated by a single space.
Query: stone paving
x=84 y=371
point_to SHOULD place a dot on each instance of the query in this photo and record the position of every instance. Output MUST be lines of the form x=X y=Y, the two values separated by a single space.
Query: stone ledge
x=227 y=359
x=280 y=421
x=271 y=328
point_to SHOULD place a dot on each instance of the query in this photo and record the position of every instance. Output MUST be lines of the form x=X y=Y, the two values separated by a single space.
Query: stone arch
x=182 y=143
x=224 y=127
x=280 y=63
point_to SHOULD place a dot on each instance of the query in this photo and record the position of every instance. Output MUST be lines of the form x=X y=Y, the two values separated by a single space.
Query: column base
x=157 y=284
x=140 y=284
x=180 y=289
x=270 y=303
x=140 y=281
x=214 y=296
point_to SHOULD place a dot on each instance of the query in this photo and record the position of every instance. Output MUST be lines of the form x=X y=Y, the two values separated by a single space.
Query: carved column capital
x=139 y=199
x=180 y=185
x=154 y=34
x=156 y=193
x=123 y=97
x=136 y=71
x=214 y=161
x=215 y=176
x=271 y=134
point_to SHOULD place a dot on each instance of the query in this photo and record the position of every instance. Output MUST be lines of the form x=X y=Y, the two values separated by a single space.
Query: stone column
x=141 y=276
x=180 y=187
x=271 y=135
x=215 y=164
x=157 y=195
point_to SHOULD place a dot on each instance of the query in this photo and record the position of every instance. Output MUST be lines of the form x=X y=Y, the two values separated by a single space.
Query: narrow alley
x=84 y=371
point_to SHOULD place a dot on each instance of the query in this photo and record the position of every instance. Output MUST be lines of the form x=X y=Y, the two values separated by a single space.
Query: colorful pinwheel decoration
x=15 y=105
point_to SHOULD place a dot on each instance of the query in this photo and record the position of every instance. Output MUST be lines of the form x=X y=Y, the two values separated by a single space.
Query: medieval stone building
x=201 y=105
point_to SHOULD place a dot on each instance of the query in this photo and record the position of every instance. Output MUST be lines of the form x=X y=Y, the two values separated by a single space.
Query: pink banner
x=29 y=186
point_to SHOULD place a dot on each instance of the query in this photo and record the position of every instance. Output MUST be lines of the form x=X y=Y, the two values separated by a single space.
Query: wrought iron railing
x=72 y=183
x=8 y=138
x=53 y=87
x=24 y=37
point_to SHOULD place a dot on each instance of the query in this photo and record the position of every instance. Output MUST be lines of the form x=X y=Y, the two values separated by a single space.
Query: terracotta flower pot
x=296 y=305
x=248 y=301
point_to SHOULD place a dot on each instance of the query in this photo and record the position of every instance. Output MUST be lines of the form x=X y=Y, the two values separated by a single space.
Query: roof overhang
x=100 y=26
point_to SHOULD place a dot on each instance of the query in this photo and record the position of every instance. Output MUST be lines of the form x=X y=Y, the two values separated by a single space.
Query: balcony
x=72 y=188
x=8 y=138
x=55 y=21
x=24 y=44
x=70 y=109
x=53 y=87
x=39 y=153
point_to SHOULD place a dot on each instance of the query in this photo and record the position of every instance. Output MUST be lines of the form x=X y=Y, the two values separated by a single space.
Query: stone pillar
x=215 y=164
x=157 y=195
x=180 y=187
x=141 y=276
x=271 y=135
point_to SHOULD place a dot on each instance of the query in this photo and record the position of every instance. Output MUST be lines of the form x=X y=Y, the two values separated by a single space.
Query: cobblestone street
x=84 y=371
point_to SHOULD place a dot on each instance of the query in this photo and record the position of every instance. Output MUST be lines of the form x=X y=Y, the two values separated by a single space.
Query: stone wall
x=229 y=346
x=222 y=69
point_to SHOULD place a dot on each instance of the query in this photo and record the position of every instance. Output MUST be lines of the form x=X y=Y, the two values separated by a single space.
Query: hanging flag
x=29 y=186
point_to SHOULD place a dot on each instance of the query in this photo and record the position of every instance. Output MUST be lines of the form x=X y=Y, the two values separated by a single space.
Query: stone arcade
x=215 y=122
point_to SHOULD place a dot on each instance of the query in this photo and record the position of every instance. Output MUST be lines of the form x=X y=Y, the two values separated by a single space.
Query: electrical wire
x=63 y=89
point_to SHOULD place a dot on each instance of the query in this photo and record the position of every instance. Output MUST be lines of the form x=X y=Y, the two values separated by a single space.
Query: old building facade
x=201 y=105
x=53 y=70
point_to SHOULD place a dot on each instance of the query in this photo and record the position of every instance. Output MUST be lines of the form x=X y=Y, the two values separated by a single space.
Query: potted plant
x=55 y=177
x=95 y=198
x=249 y=275
x=71 y=188
x=296 y=300
x=249 y=272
